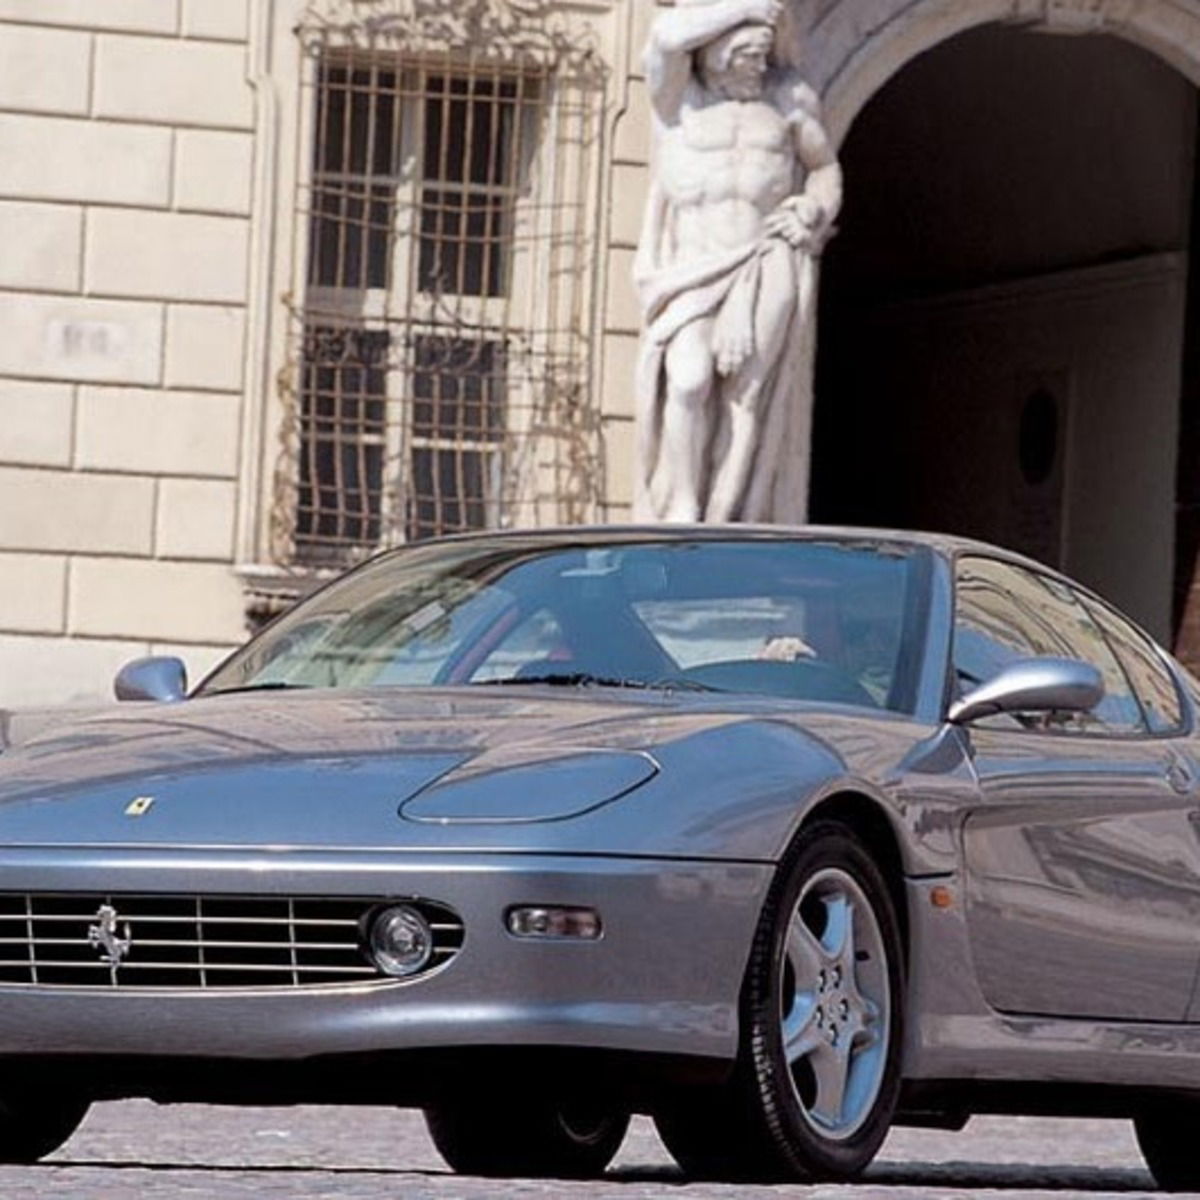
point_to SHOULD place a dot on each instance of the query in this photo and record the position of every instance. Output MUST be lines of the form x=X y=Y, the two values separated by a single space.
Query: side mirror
x=151 y=679
x=1032 y=685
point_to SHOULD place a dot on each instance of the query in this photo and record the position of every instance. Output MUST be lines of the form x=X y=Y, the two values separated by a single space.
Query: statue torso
x=723 y=167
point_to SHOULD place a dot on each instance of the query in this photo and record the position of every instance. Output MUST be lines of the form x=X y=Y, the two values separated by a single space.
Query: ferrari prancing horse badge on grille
x=105 y=935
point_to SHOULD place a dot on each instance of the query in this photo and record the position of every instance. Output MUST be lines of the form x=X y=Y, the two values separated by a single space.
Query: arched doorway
x=1002 y=332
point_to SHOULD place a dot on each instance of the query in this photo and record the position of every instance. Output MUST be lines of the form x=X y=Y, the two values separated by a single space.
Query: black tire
x=1167 y=1139
x=527 y=1140
x=36 y=1125
x=767 y=1121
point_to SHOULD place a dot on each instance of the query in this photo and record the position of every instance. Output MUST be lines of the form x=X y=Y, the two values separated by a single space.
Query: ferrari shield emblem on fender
x=139 y=806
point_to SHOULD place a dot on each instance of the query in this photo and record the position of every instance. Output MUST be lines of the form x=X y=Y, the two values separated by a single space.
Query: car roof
x=949 y=545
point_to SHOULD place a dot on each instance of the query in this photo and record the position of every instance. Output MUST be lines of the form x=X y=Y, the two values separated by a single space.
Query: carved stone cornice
x=1073 y=16
x=504 y=30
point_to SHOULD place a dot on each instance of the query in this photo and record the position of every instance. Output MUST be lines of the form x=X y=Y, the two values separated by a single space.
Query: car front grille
x=147 y=941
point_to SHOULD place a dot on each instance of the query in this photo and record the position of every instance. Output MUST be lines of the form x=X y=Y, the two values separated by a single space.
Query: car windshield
x=801 y=619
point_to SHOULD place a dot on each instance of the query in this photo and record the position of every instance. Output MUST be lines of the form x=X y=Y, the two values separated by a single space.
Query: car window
x=812 y=620
x=537 y=641
x=1152 y=682
x=1004 y=613
x=855 y=632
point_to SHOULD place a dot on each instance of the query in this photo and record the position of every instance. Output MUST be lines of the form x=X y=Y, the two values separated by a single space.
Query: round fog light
x=400 y=940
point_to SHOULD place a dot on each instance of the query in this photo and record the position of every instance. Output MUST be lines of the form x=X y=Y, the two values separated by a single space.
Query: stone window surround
x=276 y=260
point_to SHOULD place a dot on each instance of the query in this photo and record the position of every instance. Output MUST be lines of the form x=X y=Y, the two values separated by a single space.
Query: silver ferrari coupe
x=781 y=836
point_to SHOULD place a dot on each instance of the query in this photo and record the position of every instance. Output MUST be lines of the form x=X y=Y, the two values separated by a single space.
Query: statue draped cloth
x=726 y=288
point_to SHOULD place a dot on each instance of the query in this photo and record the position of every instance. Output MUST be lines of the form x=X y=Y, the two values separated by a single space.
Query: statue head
x=733 y=65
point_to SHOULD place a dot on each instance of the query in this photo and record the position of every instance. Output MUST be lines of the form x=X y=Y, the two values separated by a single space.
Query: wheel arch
x=871 y=823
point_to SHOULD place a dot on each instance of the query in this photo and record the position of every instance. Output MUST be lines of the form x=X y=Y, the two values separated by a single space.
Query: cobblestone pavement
x=137 y=1151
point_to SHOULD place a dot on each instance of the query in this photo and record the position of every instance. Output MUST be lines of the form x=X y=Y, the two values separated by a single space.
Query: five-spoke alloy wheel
x=835 y=1003
x=822 y=1015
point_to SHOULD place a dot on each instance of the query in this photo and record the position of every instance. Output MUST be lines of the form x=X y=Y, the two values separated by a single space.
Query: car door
x=1082 y=864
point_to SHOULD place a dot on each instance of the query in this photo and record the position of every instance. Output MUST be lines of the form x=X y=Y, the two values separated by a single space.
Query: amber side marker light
x=549 y=921
x=941 y=897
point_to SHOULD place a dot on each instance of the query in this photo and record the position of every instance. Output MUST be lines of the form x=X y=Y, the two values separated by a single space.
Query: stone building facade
x=283 y=281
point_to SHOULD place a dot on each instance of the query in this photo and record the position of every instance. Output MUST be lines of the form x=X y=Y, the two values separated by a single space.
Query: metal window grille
x=438 y=372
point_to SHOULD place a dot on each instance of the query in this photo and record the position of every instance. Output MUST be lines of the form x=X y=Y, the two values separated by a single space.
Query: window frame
x=1143 y=733
x=371 y=307
x=554 y=472
x=1186 y=724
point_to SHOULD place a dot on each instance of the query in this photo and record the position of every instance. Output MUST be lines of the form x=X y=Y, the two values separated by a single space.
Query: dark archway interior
x=1003 y=313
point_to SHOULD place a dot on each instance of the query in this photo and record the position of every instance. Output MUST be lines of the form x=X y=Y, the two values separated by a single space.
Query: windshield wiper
x=587 y=679
x=562 y=679
x=273 y=685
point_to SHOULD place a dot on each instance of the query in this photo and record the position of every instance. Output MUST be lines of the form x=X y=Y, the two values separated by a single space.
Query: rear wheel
x=818 y=1074
x=1167 y=1139
x=32 y=1126
x=569 y=1141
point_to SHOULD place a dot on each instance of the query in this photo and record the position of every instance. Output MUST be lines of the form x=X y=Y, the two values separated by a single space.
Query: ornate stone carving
x=745 y=189
x=1073 y=16
x=496 y=29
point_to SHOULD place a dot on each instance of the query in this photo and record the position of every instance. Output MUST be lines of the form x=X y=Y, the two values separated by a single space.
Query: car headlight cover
x=400 y=941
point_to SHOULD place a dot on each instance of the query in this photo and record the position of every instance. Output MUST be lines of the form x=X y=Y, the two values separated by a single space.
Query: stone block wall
x=628 y=172
x=126 y=150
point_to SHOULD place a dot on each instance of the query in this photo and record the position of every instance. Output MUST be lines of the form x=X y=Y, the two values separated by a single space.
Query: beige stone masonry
x=131 y=16
x=629 y=186
x=159 y=433
x=624 y=316
x=44 y=70
x=643 y=15
x=56 y=158
x=212 y=171
x=33 y=598
x=195 y=519
x=59 y=511
x=620 y=358
x=618 y=458
x=73 y=338
x=168 y=255
x=221 y=19
x=632 y=140
x=172 y=82
x=204 y=346
x=35 y=423
x=41 y=246
x=163 y=601
x=54 y=670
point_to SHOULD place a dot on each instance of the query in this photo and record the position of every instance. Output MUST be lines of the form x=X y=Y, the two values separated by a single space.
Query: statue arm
x=805 y=219
x=823 y=182
x=677 y=32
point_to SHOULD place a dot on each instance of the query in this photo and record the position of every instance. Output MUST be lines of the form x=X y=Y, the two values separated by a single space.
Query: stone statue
x=745 y=190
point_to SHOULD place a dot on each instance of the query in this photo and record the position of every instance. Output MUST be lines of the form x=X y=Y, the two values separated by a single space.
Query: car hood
x=318 y=768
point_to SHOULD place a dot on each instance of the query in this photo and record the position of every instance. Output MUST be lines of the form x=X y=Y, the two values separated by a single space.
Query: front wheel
x=822 y=1021
x=567 y=1141
x=32 y=1126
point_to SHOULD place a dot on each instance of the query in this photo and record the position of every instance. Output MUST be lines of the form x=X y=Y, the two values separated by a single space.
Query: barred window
x=465 y=131
x=457 y=431
x=438 y=365
x=466 y=221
